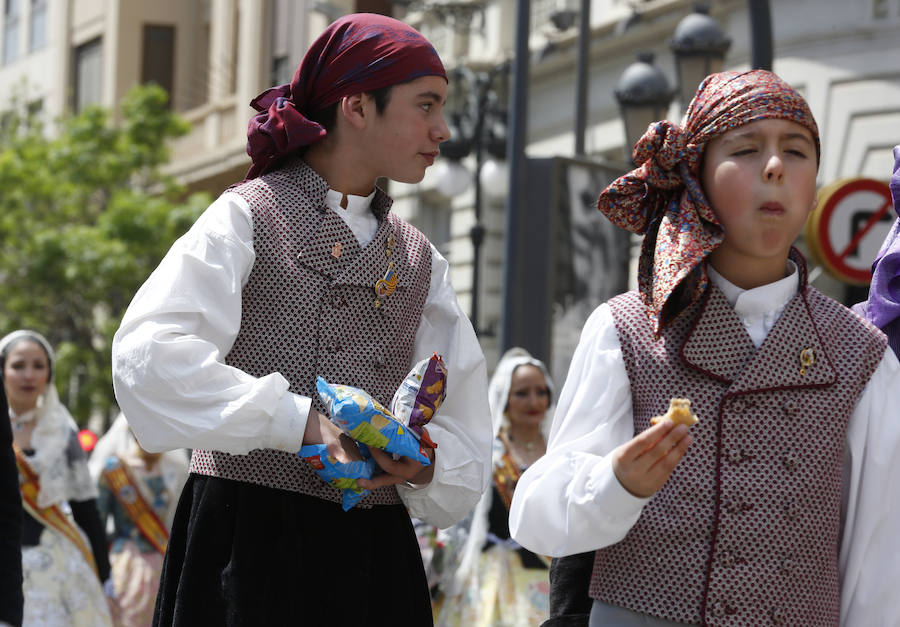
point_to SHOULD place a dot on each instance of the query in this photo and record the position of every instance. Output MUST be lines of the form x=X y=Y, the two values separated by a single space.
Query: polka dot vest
x=309 y=309
x=747 y=529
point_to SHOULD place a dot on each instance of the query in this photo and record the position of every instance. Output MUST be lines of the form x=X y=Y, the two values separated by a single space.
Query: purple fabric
x=358 y=53
x=883 y=306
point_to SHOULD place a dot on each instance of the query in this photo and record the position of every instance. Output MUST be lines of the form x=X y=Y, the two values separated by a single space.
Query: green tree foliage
x=85 y=215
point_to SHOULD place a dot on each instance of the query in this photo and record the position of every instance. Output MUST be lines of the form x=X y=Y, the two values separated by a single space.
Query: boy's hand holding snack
x=643 y=464
x=398 y=444
x=367 y=421
x=346 y=476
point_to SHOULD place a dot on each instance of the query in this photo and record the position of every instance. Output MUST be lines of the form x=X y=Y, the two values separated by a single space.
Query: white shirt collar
x=759 y=300
x=356 y=205
x=759 y=308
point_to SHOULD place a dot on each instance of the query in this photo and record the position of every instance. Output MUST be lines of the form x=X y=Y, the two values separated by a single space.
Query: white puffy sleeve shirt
x=172 y=382
x=570 y=501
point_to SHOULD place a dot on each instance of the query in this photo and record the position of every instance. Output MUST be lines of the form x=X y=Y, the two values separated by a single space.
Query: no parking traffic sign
x=847 y=228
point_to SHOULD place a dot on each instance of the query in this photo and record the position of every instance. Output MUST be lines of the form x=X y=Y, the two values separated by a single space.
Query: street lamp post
x=760 y=35
x=699 y=45
x=477 y=125
x=644 y=96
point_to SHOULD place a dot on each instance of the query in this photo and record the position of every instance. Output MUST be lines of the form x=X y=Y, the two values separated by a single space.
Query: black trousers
x=570 y=578
x=243 y=554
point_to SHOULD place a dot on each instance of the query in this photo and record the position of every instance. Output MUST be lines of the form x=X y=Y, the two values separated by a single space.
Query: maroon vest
x=309 y=309
x=747 y=529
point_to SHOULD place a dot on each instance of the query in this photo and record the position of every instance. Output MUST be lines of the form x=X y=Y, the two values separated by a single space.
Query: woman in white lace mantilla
x=64 y=555
x=488 y=579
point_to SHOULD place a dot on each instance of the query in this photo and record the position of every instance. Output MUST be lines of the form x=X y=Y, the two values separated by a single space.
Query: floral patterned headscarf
x=663 y=200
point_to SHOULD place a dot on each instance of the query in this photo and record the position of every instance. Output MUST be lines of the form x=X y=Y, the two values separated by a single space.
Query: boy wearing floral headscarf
x=771 y=510
x=297 y=272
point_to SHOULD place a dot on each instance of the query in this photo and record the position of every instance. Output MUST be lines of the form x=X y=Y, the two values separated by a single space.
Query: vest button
x=792 y=510
x=734 y=507
x=721 y=610
x=787 y=566
x=728 y=559
x=738 y=406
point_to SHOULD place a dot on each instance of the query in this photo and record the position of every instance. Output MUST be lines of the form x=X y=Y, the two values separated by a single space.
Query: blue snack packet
x=366 y=420
x=341 y=475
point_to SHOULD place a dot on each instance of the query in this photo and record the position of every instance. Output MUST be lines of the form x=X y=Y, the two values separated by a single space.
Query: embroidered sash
x=506 y=476
x=51 y=517
x=122 y=484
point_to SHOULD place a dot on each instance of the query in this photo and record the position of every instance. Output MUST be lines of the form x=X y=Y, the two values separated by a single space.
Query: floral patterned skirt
x=136 y=581
x=61 y=589
x=500 y=593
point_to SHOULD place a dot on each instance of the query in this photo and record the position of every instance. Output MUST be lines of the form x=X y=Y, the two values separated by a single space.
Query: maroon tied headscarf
x=358 y=53
x=663 y=200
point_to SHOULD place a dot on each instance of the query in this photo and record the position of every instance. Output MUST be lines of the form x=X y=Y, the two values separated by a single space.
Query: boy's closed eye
x=800 y=150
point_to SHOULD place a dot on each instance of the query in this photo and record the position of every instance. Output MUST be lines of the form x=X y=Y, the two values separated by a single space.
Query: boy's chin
x=409 y=179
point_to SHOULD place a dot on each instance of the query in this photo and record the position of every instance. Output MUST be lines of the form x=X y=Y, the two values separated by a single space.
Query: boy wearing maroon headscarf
x=302 y=271
x=774 y=509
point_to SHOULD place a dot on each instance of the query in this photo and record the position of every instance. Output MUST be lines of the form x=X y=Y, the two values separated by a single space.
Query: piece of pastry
x=679 y=413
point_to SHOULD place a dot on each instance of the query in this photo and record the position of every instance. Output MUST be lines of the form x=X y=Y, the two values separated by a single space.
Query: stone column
x=222 y=49
x=254 y=56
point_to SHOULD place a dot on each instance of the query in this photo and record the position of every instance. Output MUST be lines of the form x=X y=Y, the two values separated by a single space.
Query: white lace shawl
x=62 y=479
x=464 y=541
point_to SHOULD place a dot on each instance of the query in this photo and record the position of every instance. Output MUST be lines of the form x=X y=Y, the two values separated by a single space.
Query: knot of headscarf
x=663 y=199
x=280 y=129
x=358 y=53
x=662 y=149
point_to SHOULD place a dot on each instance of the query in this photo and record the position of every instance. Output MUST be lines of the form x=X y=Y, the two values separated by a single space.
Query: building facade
x=214 y=56
x=840 y=55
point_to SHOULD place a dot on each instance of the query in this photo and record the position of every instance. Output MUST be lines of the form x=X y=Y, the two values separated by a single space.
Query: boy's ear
x=354 y=110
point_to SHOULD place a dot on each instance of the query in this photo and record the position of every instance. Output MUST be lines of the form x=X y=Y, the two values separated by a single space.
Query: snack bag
x=341 y=475
x=365 y=420
x=420 y=395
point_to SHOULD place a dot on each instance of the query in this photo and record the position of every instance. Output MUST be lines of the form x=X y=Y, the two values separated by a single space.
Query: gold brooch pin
x=336 y=250
x=807 y=359
x=386 y=285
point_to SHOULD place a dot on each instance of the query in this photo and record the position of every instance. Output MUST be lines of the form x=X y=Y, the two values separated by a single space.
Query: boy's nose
x=442 y=131
x=774 y=169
